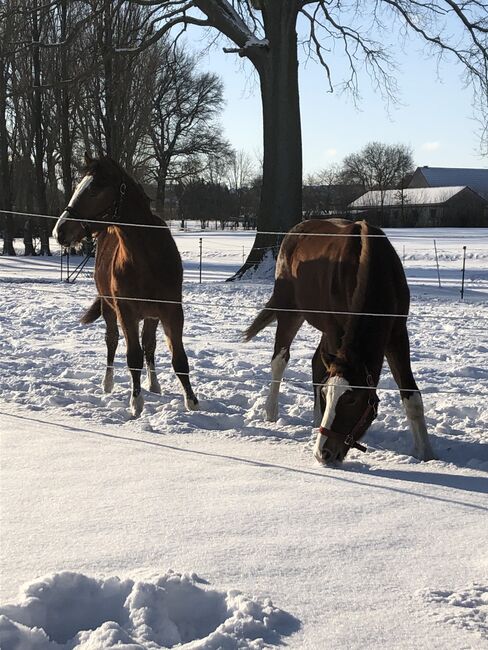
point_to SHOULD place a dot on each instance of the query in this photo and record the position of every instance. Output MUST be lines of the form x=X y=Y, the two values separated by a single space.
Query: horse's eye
x=348 y=398
x=97 y=184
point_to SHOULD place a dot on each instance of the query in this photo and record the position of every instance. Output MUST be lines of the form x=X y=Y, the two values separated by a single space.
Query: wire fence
x=261 y=232
x=215 y=243
x=223 y=306
x=236 y=379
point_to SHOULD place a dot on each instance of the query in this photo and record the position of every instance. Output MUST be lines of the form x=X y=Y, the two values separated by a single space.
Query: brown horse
x=337 y=275
x=138 y=271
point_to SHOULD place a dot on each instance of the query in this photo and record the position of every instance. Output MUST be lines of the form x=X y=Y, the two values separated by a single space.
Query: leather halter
x=351 y=439
x=101 y=215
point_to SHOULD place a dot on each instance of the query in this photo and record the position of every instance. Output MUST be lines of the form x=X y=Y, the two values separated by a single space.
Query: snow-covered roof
x=411 y=196
x=476 y=179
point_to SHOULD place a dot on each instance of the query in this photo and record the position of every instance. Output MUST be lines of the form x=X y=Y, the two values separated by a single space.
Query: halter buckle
x=349 y=440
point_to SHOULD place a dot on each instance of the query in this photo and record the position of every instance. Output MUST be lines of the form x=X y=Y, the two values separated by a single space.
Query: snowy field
x=216 y=529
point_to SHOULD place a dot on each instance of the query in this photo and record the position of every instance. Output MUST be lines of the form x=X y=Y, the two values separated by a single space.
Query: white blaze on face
x=334 y=389
x=80 y=188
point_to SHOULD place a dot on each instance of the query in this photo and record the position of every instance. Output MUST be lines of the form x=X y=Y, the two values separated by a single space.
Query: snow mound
x=264 y=271
x=466 y=609
x=71 y=610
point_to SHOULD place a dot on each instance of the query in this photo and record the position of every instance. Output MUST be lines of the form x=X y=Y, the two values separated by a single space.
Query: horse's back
x=319 y=262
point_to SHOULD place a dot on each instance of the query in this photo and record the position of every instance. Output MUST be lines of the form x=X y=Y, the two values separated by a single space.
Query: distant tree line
x=377 y=166
x=154 y=111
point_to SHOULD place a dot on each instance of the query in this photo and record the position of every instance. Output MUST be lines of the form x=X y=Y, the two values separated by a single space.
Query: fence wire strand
x=235 y=379
x=258 y=232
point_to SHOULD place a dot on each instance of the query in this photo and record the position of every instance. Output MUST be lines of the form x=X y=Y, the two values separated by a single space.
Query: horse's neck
x=364 y=343
x=136 y=238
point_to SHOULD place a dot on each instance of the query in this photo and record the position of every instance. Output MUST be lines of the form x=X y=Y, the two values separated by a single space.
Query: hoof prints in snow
x=466 y=609
x=71 y=610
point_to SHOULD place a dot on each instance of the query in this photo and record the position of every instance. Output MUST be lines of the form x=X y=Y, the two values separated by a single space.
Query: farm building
x=476 y=179
x=427 y=206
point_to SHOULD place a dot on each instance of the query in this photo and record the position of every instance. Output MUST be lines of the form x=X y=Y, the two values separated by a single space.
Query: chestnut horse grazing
x=136 y=267
x=337 y=275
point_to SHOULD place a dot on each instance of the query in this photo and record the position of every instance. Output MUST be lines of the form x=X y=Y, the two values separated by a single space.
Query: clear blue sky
x=435 y=116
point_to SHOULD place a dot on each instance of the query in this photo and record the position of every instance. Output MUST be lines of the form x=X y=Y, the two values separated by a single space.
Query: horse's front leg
x=130 y=327
x=319 y=378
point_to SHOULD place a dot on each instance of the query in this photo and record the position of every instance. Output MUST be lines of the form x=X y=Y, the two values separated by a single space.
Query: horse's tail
x=265 y=317
x=93 y=312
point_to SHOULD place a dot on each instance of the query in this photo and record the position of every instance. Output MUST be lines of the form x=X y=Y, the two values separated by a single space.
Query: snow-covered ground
x=137 y=533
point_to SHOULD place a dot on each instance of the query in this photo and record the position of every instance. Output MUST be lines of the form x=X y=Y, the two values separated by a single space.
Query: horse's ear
x=88 y=158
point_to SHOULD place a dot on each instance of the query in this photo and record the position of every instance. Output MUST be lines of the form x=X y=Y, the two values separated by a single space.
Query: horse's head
x=349 y=404
x=95 y=201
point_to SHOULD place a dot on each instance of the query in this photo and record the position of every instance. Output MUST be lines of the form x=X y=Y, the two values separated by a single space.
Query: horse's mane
x=108 y=163
x=358 y=301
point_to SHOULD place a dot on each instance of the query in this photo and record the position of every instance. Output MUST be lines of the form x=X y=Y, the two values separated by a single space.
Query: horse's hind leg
x=172 y=322
x=130 y=327
x=398 y=356
x=149 y=347
x=288 y=326
x=112 y=341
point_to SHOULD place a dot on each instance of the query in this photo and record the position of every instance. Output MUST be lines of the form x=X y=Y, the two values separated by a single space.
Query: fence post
x=201 y=240
x=437 y=264
x=464 y=268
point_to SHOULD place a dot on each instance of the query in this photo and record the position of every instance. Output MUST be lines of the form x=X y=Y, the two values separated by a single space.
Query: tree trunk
x=281 y=194
x=5 y=186
x=109 y=121
x=44 y=226
x=28 y=243
x=161 y=191
x=66 y=140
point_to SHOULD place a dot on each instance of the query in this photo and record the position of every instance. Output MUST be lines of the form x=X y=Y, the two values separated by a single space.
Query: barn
x=434 y=196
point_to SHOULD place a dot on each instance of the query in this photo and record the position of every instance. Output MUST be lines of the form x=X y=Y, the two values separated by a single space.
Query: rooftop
x=409 y=196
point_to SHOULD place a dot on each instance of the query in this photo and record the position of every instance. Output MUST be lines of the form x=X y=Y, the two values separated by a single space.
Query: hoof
x=271 y=409
x=318 y=457
x=152 y=383
x=271 y=414
x=191 y=404
x=154 y=388
x=136 y=405
x=108 y=381
x=425 y=455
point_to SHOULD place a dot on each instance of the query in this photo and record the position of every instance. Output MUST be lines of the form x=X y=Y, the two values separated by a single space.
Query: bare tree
x=242 y=170
x=378 y=166
x=264 y=32
x=183 y=133
x=115 y=104
x=6 y=62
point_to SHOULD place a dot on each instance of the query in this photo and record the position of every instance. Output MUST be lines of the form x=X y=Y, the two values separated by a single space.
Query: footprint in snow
x=71 y=610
